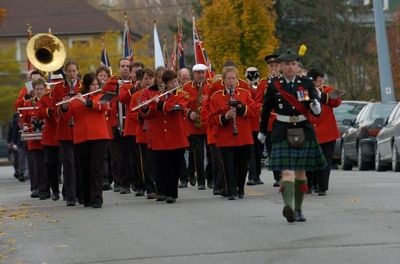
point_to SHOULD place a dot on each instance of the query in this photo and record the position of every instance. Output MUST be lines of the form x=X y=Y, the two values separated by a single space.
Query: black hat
x=288 y=56
x=271 y=58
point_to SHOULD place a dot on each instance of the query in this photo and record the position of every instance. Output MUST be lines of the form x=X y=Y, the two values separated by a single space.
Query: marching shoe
x=55 y=196
x=71 y=203
x=170 y=200
x=288 y=213
x=259 y=182
x=192 y=181
x=139 y=193
x=251 y=182
x=151 y=196
x=117 y=188
x=202 y=187
x=231 y=197
x=210 y=185
x=276 y=184
x=125 y=190
x=321 y=193
x=161 y=198
x=35 y=194
x=96 y=205
x=299 y=217
x=182 y=184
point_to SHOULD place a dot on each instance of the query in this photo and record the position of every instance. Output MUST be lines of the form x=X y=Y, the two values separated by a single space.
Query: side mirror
x=347 y=122
x=379 y=122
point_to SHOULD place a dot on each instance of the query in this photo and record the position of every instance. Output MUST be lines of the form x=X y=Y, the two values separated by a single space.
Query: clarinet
x=234 y=126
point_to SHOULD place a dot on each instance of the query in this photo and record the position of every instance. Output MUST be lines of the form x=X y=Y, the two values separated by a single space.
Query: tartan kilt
x=308 y=158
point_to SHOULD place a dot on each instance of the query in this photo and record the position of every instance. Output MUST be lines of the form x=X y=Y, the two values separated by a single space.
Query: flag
x=29 y=31
x=127 y=51
x=172 y=64
x=104 y=56
x=165 y=52
x=158 y=57
x=179 y=53
x=200 y=53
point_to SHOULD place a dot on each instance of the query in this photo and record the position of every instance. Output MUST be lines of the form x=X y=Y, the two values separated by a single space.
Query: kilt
x=308 y=158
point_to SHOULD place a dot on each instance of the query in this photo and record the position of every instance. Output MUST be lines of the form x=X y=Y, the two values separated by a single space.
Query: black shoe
x=321 y=193
x=151 y=196
x=259 y=182
x=106 y=187
x=44 y=196
x=139 y=193
x=161 y=198
x=217 y=192
x=35 y=194
x=276 y=184
x=21 y=178
x=117 y=188
x=231 y=197
x=192 y=181
x=298 y=216
x=124 y=190
x=288 y=213
x=251 y=182
x=202 y=187
x=240 y=195
x=96 y=205
x=55 y=196
x=87 y=204
x=170 y=200
x=210 y=185
x=182 y=184
x=71 y=203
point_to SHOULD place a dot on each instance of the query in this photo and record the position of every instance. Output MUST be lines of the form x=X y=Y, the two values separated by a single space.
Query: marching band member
x=64 y=134
x=325 y=127
x=294 y=145
x=48 y=113
x=274 y=66
x=168 y=137
x=231 y=110
x=146 y=178
x=197 y=90
x=31 y=123
x=184 y=76
x=24 y=94
x=253 y=76
x=91 y=139
x=120 y=163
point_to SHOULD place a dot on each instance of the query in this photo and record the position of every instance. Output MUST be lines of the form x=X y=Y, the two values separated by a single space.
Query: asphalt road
x=357 y=222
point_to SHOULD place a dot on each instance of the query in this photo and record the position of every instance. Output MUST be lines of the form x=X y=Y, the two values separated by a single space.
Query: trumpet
x=254 y=84
x=154 y=98
x=72 y=98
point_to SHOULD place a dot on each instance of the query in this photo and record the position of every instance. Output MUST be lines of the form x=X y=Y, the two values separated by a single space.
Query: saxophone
x=197 y=121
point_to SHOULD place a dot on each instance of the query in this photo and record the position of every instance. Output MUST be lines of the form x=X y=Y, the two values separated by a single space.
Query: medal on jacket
x=306 y=97
x=300 y=95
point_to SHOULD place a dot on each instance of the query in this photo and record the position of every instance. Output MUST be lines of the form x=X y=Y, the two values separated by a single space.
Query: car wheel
x=378 y=163
x=346 y=163
x=361 y=164
x=395 y=159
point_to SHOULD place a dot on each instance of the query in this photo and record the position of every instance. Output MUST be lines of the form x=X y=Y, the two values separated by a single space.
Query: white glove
x=315 y=107
x=261 y=137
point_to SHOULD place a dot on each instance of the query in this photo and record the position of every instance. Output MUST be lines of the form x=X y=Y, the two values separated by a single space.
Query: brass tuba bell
x=46 y=52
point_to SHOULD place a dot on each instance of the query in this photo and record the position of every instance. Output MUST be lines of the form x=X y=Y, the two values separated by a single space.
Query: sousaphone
x=46 y=52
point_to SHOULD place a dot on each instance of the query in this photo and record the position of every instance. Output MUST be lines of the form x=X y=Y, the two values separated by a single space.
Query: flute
x=154 y=98
x=27 y=108
x=72 y=98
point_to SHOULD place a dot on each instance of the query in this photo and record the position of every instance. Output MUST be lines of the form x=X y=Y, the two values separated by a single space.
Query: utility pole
x=385 y=71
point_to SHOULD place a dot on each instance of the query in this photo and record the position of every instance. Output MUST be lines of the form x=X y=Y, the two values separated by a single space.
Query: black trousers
x=169 y=169
x=91 y=156
x=129 y=161
x=116 y=156
x=235 y=160
x=217 y=168
x=37 y=171
x=196 y=158
x=320 y=178
x=146 y=176
x=70 y=170
x=268 y=145
x=51 y=161
x=255 y=158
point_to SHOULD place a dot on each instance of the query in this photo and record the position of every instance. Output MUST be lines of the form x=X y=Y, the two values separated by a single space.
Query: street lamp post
x=385 y=71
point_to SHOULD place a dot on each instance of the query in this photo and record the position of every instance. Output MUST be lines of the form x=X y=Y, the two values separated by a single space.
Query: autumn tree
x=336 y=34
x=242 y=31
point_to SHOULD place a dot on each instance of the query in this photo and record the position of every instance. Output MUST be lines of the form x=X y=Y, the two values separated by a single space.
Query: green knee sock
x=287 y=192
x=299 y=190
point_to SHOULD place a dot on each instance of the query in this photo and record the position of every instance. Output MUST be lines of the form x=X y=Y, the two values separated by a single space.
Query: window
x=78 y=40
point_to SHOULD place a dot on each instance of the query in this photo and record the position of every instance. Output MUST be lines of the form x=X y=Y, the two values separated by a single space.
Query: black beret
x=271 y=58
x=288 y=56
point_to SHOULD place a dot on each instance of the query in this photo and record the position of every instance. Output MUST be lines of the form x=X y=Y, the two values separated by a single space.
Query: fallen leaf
x=11 y=240
x=2 y=257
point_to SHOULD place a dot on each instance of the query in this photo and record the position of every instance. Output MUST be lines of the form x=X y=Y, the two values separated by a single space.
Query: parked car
x=346 y=110
x=359 y=140
x=387 y=152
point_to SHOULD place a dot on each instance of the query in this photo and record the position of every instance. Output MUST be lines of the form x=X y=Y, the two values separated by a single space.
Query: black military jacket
x=304 y=90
